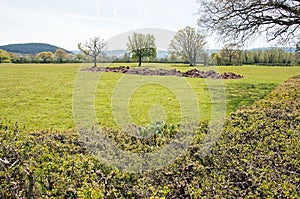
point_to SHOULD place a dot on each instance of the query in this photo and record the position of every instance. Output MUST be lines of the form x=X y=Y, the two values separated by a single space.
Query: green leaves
x=141 y=46
x=143 y=139
x=4 y=56
x=46 y=56
x=60 y=54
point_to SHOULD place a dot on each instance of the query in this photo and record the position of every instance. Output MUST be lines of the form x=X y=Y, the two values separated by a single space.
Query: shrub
x=257 y=156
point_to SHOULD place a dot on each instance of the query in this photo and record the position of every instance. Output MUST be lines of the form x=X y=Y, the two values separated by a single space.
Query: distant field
x=39 y=96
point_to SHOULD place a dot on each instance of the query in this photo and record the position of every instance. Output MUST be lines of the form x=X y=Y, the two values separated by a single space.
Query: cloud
x=100 y=19
x=71 y=21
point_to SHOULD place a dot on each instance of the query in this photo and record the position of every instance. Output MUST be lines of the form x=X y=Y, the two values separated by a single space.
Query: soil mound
x=193 y=73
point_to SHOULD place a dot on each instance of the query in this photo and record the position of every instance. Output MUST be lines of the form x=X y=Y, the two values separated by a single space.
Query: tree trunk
x=95 y=62
x=191 y=60
x=140 y=61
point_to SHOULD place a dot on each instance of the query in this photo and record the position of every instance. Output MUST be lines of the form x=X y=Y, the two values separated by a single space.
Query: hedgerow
x=257 y=156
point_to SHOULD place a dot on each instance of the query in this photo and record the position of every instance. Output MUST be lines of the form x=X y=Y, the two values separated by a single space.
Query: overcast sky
x=65 y=23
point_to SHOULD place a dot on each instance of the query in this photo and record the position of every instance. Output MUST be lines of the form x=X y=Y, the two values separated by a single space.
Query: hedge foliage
x=257 y=156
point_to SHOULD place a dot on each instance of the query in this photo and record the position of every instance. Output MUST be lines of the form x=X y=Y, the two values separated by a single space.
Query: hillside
x=30 y=48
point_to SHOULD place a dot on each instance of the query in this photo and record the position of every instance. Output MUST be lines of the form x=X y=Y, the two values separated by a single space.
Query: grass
x=39 y=96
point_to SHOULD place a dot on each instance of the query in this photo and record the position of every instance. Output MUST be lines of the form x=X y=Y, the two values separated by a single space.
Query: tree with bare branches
x=240 y=20
x=93 y=48
x=231 y=53
x=189 y=44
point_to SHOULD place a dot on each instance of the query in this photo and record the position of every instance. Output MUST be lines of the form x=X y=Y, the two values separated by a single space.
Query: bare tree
x=93 y=48
x=142 y=46
x=188 y=43
x=230 y=52
x=239 y=20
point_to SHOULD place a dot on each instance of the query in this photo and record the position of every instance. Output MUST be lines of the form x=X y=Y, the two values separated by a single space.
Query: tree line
x=231 y=54
x=60 y=56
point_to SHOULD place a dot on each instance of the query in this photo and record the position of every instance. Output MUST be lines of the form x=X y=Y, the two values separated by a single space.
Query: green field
x=256 y=154
x=39 y=96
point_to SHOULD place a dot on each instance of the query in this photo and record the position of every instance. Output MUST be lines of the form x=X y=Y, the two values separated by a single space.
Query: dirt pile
x=193 y=73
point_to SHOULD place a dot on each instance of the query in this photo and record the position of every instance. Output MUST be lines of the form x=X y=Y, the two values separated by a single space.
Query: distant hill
x=116 y=53
x=30 y=48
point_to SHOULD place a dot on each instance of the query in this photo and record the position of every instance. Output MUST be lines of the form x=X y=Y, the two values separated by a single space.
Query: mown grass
x=39 y=96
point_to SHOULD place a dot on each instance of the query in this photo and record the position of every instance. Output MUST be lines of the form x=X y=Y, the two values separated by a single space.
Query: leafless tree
x=240 y=20
x=188 y=43
x=93 y=48
x=230 y=52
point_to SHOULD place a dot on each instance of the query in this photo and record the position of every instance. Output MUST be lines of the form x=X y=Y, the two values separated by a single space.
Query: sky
x=65 y=23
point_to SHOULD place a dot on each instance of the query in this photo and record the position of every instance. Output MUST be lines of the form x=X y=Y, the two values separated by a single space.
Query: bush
x=257 y=156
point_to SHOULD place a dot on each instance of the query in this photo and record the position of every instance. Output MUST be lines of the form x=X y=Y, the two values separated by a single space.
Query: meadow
x=39 y=96
x=256 y=155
